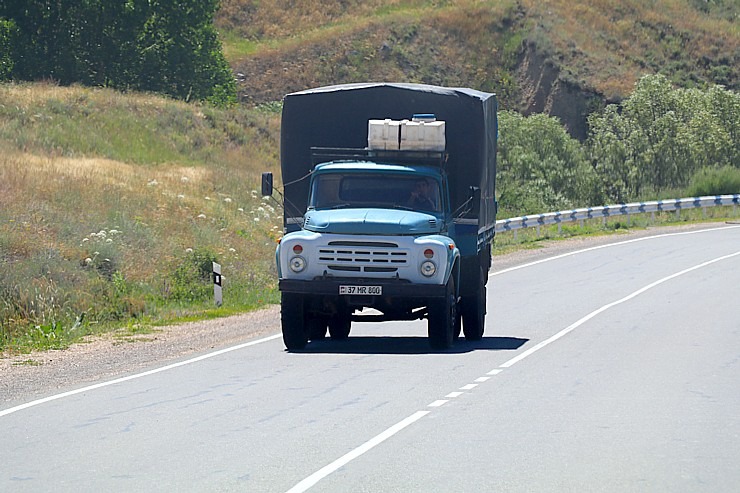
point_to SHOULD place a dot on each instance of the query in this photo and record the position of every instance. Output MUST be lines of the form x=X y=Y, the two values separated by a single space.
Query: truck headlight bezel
x=297 y=264
x=428 y=268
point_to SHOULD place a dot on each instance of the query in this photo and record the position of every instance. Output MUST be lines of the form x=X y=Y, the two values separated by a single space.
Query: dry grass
x=606 y=45
x=102 y=195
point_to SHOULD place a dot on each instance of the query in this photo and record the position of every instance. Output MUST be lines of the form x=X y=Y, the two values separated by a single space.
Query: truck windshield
x=334 y=191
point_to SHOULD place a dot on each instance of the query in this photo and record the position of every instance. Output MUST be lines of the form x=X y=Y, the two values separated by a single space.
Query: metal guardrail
x=537 y=220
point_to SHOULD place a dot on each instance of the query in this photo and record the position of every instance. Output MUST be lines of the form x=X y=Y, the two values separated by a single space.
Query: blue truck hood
x=372 y=222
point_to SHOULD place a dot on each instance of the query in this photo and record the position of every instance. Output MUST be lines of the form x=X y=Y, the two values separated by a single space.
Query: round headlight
x=428 y=268
x=297 y=264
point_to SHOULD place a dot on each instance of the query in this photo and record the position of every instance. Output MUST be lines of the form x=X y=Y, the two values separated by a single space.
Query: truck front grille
x=363 y=256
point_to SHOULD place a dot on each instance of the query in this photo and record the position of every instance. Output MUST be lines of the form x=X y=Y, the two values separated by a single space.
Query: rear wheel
x=292 y=318
x=443 y=320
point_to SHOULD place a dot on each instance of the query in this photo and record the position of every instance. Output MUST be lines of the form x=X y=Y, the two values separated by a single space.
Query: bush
x=715 y=181
x=191 y=280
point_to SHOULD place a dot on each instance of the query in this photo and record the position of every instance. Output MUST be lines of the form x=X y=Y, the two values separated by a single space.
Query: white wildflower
x=227 y=200
x=184 y=179
x=240 y=209
x=180 y=196
x=85 y=239
x=256 y=219
x=188 y=250
x=208 y=198
x=232 y=250
x=109 y=240
x=152 y=183
x=88 y=261
x=201 y=216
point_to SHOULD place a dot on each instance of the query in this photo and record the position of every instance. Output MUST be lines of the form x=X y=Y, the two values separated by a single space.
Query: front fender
x=452 y=254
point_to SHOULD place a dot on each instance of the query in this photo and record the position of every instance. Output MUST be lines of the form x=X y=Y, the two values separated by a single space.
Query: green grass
x=105 y=196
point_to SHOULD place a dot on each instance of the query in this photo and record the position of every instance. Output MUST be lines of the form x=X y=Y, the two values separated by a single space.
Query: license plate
x=361 y=290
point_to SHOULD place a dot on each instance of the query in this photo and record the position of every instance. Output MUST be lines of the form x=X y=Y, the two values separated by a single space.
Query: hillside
x=112 y=207
x=562 y=58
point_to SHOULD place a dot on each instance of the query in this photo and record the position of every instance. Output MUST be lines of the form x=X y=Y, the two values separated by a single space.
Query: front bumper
x=392 y=288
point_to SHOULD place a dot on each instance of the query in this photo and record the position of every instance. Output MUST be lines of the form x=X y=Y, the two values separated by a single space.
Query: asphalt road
x=611 y=369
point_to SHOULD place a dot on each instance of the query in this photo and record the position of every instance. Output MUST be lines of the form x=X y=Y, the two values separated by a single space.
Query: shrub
x=715 y=181
x=191 y=280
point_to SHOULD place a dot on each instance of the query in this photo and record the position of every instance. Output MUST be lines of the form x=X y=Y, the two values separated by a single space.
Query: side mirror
x=267 y=184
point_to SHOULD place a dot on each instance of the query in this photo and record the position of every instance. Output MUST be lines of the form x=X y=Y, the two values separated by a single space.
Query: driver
x=421 y=196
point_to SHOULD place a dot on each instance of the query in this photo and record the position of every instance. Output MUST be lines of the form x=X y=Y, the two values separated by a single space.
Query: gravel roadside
x=31 y=376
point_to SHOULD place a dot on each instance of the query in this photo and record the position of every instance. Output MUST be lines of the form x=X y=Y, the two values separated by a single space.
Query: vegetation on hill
x=166 y=47
x=597 y=47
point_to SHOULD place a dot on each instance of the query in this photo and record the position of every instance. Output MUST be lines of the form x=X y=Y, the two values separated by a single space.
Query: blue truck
x=403 y=227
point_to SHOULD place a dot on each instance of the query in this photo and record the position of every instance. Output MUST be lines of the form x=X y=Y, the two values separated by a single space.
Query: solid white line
x=604 y=308
x=373 y=442
x=138 y=375
x=608 y=245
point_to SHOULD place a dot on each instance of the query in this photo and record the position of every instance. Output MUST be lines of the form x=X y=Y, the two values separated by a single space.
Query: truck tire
x=316 y=328
x=292 y=318
x=339 y=326
x=473 y=309
x=444 y=319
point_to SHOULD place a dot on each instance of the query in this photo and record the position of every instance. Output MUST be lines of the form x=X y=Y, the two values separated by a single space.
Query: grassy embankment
x=112 y=207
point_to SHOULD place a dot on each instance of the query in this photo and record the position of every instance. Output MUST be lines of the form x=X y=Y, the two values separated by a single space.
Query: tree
x=661 y=136
x=152 y=45
x=7 y=35
x=540 y=167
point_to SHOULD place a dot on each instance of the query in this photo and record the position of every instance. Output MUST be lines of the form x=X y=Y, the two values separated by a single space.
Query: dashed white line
x=469 y=386
x=452 y=395
x=370 y=444
x=438 y=403
x=482 y=379
x=494 y=372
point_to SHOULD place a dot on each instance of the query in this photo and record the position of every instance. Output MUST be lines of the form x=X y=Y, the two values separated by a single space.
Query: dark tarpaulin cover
x=337 y=116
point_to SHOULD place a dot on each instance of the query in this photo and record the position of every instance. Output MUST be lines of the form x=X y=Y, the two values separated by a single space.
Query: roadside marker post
x=217 y=293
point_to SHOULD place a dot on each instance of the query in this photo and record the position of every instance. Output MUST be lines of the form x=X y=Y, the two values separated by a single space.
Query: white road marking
x=12 y=410
x=452 y=395
x=438 y=403
x=469 y=386
x=482 y=379
x=494 y=372
x=370 y=444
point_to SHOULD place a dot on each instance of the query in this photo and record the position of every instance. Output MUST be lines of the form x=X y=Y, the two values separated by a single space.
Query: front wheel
x=474 y=310
x=339 y=326
x=443 y=324
x=293 y=320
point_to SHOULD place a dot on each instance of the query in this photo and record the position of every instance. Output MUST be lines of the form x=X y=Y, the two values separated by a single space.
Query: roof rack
x=380 y=156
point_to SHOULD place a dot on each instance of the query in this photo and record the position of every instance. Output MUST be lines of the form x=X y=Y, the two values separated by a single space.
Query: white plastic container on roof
x=383 y=134
x=422 y=135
